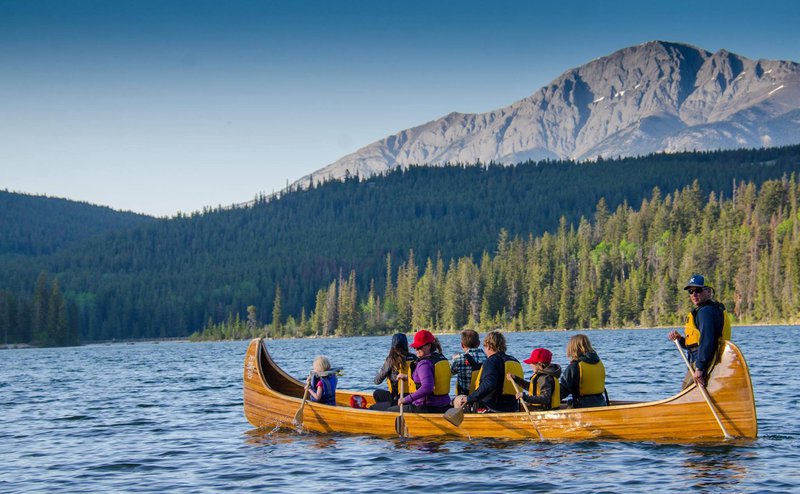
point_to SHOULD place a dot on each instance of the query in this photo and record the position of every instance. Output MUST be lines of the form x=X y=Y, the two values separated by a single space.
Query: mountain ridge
x=654 y=97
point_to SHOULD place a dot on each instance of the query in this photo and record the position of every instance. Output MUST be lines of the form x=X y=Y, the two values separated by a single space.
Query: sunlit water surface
x=168 y=418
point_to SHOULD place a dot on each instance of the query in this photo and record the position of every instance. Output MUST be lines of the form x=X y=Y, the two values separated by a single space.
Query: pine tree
x=277 y=327
x=41 y=305
x=57 y=318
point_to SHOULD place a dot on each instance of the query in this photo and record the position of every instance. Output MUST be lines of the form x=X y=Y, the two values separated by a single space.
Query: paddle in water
x=525 y=406
x=298 y=417
x=703 y=392
x=400 y=421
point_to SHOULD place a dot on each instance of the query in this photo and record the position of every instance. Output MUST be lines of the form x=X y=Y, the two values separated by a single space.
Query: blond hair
x=321 y=364
x=495 y=341
x=579 y=345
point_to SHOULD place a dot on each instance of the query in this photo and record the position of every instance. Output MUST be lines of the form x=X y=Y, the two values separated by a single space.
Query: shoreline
x=22 y=346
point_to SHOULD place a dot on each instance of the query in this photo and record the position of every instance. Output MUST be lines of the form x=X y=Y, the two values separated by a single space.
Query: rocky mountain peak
x=653 y=97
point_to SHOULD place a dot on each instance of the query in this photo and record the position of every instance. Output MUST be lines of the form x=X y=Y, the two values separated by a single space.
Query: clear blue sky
x=164 y=106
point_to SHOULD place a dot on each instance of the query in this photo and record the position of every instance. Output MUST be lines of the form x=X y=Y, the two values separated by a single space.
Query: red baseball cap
x=422 y=338
x=540 y=355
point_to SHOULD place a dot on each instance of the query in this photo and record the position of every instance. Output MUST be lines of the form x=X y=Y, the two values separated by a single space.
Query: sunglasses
x=693 y=291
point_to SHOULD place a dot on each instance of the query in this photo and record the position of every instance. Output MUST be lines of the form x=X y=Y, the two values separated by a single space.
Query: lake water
x=168 y=417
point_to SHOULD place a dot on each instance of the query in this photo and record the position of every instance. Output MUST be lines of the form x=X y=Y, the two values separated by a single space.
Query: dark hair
x=470 y=338
x=436 y=347
x=399 y=351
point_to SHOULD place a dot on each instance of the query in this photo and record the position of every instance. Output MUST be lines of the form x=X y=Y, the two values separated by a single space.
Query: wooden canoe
x=272 y=397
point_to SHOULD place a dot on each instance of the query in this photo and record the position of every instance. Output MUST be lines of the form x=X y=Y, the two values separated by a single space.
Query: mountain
x=38 y=225
x=653 y=97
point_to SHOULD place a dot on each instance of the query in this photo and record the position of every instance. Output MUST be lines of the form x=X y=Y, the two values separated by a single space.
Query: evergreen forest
x=621 y=269
x=535 y=245
x=36 y=225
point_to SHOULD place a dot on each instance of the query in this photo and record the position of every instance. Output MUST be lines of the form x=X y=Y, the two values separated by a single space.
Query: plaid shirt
x=461 y=368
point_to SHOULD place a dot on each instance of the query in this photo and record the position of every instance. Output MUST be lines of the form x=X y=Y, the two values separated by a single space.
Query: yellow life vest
x=592 y=378
x=555 y=399
x=513 y=366
x=692 y=333
x=409 y=386
x=473 y=383
x=441 y=374
x=473 y=380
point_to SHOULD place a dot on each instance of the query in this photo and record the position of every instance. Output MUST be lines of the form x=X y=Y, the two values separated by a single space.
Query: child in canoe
x=585 y=376
x=323 y=382
x=544 y=390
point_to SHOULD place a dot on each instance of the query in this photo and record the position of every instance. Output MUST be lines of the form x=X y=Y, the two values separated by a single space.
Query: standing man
x=705 y=325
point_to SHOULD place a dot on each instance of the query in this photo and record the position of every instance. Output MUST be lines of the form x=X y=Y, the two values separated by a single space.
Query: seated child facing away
x=323 y=382
x=544 y=388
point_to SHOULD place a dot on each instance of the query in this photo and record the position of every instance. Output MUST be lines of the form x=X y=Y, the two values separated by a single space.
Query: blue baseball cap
x=697 y=280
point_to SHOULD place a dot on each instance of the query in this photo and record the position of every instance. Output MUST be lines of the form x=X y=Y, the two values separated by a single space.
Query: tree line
x=169 y=277
x=45 y=319
x=619 y=269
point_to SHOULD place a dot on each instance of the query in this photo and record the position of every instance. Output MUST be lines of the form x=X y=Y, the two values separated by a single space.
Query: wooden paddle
x=703 y=391
x=400 y=421
x=454 y=415
x=525 y=406
x=298 y=417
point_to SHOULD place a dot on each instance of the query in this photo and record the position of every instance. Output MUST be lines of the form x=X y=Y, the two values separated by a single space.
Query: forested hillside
x=170 y=277
x=624 y=268
x=35 y=225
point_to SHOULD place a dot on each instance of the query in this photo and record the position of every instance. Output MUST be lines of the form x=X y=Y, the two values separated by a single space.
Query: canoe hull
x=272 y=397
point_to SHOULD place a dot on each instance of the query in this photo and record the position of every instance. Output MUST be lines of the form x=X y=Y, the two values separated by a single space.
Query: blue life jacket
x=328 y=388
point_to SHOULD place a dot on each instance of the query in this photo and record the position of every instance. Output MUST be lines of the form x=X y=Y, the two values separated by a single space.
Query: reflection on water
x=723 y=466
x=421 y=445
x=168 y=417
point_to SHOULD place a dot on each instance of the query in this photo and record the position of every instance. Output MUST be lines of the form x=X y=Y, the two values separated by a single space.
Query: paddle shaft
x=525 y=406
x=401 y=423
x=703 y=391
x=298 y=417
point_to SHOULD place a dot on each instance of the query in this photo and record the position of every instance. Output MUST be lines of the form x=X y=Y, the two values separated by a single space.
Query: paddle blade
x=400 y=426
x=455 y=416
x=298 y=416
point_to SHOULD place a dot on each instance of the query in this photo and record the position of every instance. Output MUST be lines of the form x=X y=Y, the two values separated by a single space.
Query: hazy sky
x=164 y=106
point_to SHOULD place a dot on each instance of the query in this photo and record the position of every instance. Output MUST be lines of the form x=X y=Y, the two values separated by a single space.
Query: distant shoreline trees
x=623 y=269
x=46 y=319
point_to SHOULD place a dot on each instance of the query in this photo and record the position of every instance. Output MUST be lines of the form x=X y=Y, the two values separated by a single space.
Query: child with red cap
x=543 y=389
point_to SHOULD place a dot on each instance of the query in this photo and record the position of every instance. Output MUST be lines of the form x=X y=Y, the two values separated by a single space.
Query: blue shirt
x=709 y=320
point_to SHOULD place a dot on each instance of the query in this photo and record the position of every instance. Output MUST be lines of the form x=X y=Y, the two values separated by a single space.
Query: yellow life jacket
x=555 y=399
x=592 y=378
x=692 y=333
x=473 y=380
x=513 y=366
x=409 y=386
x=441 y=374
x=473 y=383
